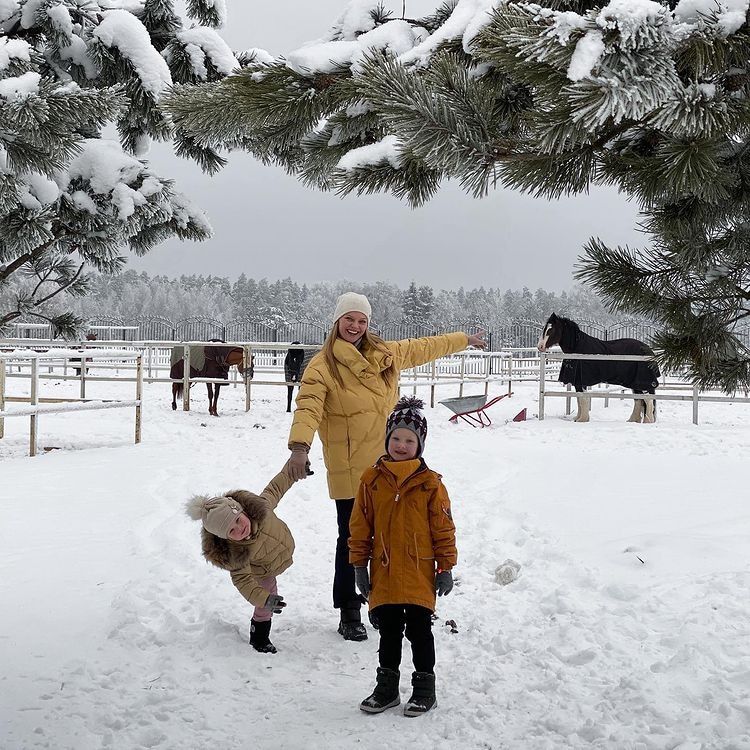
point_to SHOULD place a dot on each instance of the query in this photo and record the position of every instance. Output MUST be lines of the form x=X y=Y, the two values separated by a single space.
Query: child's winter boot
x=423 y=694
x=259 y=632
x=351 y=626
x=386 y=693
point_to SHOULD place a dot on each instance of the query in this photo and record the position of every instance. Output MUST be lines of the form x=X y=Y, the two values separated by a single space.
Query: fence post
x=510 y=372
x=567 y=400
x=2 y=397
x=138 y=396
x=83 y=374
x=542 y=373
x=34 y=400
x=695 y=404
x=433 y=376
x=487 y=370
x=463 y=374
x=186 y=378
x=247 y=362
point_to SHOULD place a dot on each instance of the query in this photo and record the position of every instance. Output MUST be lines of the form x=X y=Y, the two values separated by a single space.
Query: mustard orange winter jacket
x=350 y=421
x=401 y=525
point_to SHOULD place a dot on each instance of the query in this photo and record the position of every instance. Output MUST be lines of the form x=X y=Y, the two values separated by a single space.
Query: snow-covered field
x=629 y=626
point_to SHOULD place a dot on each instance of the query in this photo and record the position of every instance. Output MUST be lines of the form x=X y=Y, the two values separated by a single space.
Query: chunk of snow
x=384 y=151
x=203 y=41
x=20 y=87
x=586 y=55
x=13 y=49
x=123 y=31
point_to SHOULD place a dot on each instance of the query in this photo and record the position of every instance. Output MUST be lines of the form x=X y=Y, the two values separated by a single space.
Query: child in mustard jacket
x=402 y=527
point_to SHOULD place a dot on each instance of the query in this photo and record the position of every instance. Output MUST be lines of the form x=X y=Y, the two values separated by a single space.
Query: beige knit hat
x=219 y=514
x=352 y=302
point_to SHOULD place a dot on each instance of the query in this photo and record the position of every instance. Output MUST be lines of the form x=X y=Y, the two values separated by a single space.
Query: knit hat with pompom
x=408 y=414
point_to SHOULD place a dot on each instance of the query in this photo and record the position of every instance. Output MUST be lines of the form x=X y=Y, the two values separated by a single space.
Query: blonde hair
x=369 y=339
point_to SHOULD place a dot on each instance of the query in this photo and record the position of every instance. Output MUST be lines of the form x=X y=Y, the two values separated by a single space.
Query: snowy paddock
x=629 y=626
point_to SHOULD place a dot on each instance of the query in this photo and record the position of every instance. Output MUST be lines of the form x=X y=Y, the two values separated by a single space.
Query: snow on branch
x=382 y=152
x=124 y=32
x=202 y=42
x=13 y=49
x=396 y=37
x=468 y=18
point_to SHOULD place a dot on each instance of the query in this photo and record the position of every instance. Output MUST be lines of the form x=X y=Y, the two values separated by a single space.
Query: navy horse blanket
x=641 y=377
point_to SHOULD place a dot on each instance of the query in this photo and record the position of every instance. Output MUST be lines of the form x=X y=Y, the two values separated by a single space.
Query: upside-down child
x=402 y=527
x=242 y=534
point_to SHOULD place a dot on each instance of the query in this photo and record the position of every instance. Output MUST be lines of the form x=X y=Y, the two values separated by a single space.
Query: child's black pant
x=416 y=622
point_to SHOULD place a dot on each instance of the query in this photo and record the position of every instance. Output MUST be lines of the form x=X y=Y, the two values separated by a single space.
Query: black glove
x=275 y=603
x=362 y=581
x=443 y=582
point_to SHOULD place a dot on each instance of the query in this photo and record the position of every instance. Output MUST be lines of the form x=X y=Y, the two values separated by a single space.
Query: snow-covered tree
x=418 y=303
x=550 y=98
x=71 y=199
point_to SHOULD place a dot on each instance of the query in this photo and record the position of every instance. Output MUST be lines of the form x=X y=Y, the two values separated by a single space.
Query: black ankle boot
x=351 y=626
x=386 y=693
x=259 y=632
x=423 y=694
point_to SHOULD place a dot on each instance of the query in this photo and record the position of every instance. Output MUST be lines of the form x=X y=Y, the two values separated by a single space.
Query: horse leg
x=210 y=390
x=174 y=396
x=638 y=409
x=584 y=407
x=289 y=393
x=649 y=415
x=216 y=400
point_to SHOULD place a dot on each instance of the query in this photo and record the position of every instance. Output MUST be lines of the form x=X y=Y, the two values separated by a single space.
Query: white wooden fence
x=507 y=366
x=39 y=405
x=665 y=392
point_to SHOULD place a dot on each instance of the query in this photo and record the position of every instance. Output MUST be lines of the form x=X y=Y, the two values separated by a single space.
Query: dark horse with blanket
x=207 y=362
x=295 y=362
x=640 y=377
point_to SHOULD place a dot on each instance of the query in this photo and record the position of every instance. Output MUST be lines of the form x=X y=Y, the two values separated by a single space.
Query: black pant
x=392 y=620
x=344 y=593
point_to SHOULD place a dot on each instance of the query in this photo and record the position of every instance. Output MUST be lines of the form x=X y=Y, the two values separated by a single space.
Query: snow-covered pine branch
x=70 y=200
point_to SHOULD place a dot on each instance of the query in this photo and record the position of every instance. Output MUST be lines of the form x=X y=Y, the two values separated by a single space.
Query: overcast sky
x=268 y=225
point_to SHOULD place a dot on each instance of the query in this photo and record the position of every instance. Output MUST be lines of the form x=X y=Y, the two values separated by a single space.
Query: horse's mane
x=568 y=323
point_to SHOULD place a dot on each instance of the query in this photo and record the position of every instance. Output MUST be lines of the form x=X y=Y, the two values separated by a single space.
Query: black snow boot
x=351 y=626
x=259 y=632
x=386 y=693
x=423 y=694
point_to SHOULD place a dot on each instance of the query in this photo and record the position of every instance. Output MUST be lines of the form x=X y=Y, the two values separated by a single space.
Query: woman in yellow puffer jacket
x=346 y=395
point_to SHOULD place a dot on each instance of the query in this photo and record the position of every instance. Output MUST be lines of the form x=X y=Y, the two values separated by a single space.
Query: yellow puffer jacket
x=351 y=421
x=401 y=524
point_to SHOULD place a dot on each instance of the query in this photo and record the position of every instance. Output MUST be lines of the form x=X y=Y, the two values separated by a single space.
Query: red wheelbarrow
x=473 y=409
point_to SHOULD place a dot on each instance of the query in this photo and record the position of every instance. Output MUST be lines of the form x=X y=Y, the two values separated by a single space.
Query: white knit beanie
x=352 y=302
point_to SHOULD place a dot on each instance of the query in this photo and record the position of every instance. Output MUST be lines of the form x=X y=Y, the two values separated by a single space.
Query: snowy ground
x=629 y=626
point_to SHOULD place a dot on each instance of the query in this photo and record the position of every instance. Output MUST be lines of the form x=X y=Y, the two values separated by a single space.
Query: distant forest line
x=136 y=295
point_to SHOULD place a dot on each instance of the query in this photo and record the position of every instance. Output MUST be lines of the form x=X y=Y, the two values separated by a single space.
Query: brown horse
x=216 y=363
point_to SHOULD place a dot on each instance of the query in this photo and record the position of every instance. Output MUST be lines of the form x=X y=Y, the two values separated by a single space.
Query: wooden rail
x=37 y=407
